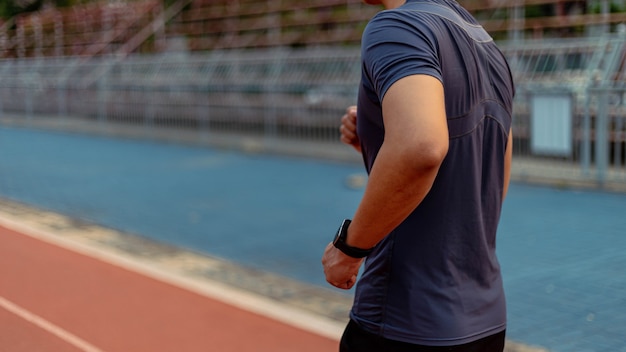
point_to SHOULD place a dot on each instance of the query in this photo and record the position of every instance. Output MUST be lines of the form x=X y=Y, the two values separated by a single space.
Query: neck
x=392 y=4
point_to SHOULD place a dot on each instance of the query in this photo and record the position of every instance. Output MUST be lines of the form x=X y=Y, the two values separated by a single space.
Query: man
x=433 y=125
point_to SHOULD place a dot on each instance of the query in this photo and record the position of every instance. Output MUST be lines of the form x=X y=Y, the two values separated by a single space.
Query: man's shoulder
x=398 y=23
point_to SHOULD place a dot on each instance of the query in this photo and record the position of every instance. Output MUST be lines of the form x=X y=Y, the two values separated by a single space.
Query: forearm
x=397 y=185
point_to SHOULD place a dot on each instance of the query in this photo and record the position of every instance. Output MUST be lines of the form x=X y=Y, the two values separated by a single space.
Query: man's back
x=435 y=279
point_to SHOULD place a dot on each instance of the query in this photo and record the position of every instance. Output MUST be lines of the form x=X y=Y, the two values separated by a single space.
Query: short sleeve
x=396 y=45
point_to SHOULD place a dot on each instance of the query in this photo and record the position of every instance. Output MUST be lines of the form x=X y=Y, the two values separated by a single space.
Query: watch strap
x=340 y=243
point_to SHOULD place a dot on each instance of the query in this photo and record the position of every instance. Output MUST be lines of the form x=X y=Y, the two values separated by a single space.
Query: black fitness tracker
x=340 y=242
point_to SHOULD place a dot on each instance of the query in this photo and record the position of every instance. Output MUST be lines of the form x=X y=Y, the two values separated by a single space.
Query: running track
x=53 y=299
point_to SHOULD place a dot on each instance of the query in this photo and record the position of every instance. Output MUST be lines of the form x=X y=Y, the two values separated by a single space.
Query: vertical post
x=516 y=22
x=150 y=91
x=149 y=114
x=516 y=31
x=107 y=24
x=274 y=30
x=269 y=95
x=586 y=137
x=619 y=159
x=101 y=86
x=58 y=34
x=3 y=39
x=205 y=111
x=21 y=49
x=62 y=98
x=29 y=86
x=159 y=28
x=38 y=34
x=5 y=64
x=602 y=145
x=1 y=98
x=605 y=10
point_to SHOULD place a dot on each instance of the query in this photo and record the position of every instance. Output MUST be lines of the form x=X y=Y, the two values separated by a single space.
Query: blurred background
x=284 y=70
x=212 y=125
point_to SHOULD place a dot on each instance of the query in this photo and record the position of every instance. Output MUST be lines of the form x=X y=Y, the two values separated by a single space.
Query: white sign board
x=551 y=124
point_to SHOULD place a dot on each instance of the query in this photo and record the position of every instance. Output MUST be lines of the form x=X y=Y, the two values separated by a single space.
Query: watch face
x=341 y=232
x=337 y=235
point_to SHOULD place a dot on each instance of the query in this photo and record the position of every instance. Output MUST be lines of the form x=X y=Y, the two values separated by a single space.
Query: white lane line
x=48 y=326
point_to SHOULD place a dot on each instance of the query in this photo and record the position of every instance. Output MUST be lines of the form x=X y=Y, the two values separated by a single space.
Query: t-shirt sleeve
x=394 y=47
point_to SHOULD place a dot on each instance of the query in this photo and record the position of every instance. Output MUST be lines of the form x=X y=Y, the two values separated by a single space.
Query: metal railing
x=275 y=92
x=570 y=109
x=299 y=94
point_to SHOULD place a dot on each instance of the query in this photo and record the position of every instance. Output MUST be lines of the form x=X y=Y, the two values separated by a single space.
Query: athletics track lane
x=18 y=334
x=114 y=309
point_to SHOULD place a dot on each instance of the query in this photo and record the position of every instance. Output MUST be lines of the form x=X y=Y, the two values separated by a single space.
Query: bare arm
x=415 y=144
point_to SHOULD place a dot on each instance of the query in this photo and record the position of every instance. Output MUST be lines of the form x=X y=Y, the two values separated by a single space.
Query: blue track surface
x=563 y=252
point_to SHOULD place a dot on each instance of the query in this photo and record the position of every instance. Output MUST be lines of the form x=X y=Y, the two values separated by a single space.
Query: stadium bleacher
x=261 y=23
x=98 y=28
x=84 y=30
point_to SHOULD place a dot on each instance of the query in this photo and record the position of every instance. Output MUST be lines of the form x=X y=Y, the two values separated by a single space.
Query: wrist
x=341 y=242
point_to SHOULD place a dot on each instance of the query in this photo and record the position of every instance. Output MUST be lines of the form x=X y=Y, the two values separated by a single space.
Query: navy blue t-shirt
x=435 y=280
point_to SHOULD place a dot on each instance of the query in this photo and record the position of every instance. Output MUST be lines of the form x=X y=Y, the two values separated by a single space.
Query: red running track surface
x=114 y=309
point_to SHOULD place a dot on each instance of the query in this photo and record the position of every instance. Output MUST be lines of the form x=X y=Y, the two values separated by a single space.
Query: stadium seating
x=85 y=30
x=261 y=23
x=102 y=27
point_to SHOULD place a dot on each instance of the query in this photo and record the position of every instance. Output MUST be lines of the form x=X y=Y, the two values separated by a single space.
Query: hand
x=348 y=129
x=340 y=270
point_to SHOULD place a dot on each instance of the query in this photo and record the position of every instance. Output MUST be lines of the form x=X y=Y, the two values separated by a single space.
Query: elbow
x=428 y=156
x=436 y=154
x=432 y=152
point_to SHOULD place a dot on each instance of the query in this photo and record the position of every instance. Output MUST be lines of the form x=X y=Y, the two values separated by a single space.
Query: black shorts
x=355 y=339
